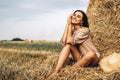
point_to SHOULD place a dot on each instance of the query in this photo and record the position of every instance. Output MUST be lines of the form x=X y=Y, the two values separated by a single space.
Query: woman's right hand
x=69 y=20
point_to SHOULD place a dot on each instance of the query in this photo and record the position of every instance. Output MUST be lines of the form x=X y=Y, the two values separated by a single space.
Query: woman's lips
x=74 y=20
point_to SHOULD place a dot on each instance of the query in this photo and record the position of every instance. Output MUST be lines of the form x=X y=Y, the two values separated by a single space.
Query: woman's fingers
x=69 y=18
x=71 y=15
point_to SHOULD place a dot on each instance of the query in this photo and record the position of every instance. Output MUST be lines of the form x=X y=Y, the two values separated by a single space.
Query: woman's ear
x=81 y=23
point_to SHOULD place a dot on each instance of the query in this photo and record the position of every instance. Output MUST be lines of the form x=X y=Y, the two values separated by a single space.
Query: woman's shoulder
x=85 y=28
x=82 y=30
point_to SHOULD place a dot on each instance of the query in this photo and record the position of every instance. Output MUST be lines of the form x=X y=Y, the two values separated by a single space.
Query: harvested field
x=24 y=64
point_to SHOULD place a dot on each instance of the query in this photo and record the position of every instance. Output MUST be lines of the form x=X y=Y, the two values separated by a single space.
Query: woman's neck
x=77 y=27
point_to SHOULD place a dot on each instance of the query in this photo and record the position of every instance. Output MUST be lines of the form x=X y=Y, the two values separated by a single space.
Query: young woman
x=77 y=41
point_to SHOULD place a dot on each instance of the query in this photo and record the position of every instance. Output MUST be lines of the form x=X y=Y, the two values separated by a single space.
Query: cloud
x=36 y=19
x=20 y=8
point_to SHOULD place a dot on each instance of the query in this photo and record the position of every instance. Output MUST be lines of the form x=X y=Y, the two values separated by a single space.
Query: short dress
x=83 y=40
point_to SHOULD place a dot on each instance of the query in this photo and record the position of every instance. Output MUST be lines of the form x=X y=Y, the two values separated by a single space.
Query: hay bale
x=104 y=22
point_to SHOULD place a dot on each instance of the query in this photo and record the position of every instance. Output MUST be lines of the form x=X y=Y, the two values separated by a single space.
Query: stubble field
x=36 y=60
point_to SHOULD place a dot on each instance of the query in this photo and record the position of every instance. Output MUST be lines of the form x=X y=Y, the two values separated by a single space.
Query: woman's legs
x=95 y=61
x=75 y=53
x=62 y=58
x=90 y=58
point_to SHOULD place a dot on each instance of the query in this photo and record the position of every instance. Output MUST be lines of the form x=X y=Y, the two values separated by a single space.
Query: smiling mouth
x=74 y=20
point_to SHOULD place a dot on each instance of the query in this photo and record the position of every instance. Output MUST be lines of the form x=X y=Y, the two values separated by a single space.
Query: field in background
x=35 y=60
x=36 y=45
x=21 y=60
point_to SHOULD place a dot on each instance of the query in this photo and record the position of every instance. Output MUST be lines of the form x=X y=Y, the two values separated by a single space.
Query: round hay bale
x=104 y=22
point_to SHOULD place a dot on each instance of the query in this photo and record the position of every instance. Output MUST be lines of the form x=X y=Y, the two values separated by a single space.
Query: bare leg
x=86 y=59
x=75 y=53
x=62 y=58
x=95 y=61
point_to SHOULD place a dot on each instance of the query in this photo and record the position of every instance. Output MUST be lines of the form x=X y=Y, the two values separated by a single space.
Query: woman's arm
x=67 y=31
x=69 y=36
x=64 y=36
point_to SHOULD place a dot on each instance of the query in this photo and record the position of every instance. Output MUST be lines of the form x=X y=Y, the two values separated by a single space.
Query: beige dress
x=82 y=38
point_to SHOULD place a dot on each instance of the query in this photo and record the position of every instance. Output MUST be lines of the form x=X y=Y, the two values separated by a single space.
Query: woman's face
x=77 y=18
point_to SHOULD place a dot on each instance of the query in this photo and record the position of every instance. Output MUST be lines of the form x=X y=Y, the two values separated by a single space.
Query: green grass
x=47 y=45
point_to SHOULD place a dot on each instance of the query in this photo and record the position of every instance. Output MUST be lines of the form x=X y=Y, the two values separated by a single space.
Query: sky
x=36 y=19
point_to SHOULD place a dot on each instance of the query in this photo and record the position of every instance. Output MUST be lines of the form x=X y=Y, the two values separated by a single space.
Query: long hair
x=84 y=19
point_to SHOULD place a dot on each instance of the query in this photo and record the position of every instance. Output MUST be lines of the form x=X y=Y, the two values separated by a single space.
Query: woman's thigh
x=75 y=53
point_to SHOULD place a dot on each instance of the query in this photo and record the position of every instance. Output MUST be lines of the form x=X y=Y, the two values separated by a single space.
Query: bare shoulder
x=85 y=29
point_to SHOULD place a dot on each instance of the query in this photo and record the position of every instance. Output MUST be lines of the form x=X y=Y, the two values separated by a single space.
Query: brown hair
x=85 y=18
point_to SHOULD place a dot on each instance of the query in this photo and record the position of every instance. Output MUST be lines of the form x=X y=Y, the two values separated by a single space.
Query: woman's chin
x=75 y=23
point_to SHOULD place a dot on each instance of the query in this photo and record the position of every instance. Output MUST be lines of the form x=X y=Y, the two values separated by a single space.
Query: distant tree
x=17 y=39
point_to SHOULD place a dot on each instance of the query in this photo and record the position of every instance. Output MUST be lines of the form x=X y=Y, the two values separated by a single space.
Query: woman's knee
x=67 y=46
x=90 y=55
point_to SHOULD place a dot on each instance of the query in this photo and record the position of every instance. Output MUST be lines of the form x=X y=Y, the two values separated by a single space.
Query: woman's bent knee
x=90 y=55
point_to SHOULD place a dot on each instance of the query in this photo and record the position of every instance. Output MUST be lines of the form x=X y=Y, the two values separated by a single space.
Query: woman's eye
x=78 y=16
